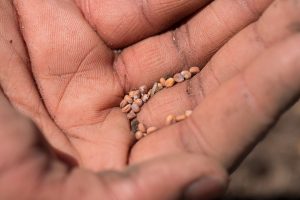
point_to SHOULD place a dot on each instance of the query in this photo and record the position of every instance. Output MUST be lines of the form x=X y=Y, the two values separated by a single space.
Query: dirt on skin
x=272 y=170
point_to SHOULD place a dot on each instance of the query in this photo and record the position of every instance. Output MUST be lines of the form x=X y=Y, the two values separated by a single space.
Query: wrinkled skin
x=60 y=68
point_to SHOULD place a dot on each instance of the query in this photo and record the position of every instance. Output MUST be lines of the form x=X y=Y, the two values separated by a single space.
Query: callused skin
x=58 y=68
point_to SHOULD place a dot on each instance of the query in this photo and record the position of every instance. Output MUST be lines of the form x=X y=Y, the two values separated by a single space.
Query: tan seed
x=131 y=93
x=128 y=99
x=135 y=108
x=169 y=82
x=123 y=103
x=151 y=129
x=171 y=119
x=178 y=78
x=188 y=113
x=136 y=94
x=186 y=74
x=131 y=115
x=142 y=127
x=154 y=89
x=145 y=98
x=139 y=135
x=126 y=109
x=194 y=70
x=162 y=81
x=160 y=86
x=139 y=102
x=180 y=118
x=149 y=92
x=143 y=89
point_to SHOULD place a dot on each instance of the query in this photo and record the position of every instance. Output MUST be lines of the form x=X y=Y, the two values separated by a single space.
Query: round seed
x=128 y=99
x=169 y=82
x=162 y=81
x=188 y=113
x=142 y=127
x=126 y=109
x=134 y=125
x=131 y=93
x=151 y=129
x=145 y=98
x=180 y=118
x=194 y=70
x=123 y=103
x=171 y=119
x=178 y=78
x=154 y=89
x=135 y=108
x=186 y=74
x=160 y=86
x=139 y=135
x=139 y=102
x=143 y=89
x=131 y=115
x=136 y=94
x=149 y=92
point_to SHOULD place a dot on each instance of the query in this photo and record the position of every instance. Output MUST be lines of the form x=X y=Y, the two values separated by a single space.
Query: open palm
x=69 y=76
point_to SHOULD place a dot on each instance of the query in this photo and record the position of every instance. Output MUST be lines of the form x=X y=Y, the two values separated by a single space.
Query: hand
x=74 y=72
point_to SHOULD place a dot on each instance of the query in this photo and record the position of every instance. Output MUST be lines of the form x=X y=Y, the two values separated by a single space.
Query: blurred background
x=273 y=168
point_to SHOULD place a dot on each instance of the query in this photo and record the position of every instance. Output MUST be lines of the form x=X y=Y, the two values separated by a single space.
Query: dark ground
x=273 y=168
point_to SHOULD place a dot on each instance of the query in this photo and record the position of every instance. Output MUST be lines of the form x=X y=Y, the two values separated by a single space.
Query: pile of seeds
x=135 y=99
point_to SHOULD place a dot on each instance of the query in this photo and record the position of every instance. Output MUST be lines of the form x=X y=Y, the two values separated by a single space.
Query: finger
x=231 y=120
x=16 y=79
x=183 y=169
x=232 y=58
x=121 y=23
x=72 y=68
x=191 y=44
x=25 y=157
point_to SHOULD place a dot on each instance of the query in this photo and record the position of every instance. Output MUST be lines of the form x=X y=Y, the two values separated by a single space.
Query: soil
x=272 y=170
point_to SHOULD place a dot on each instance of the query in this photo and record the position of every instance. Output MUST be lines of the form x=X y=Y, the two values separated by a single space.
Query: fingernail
x=205 y=188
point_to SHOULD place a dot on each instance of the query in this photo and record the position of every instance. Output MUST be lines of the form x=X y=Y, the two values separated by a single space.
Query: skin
x=59 y=67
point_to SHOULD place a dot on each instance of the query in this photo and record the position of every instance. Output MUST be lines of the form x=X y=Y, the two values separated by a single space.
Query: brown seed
x=149 y=92
x=139 y=135
x=139 y=102
x=151 y=129
x=143 y=89
x=128 y=99
x=135 y=108
x=126 y=109
x=162 y=81
x=178 y=78
x=142 y=127
x=160 y=86
x=134 y=125
x=194 y=70
x=180 y=118
x=131 y=115
x=169 y=82
x=123 y=103
x=131 y=93
x=154 y=89
x=145 y=98
x=186 y=74
x=136 y=94
x=188 y=113
x=171 y=119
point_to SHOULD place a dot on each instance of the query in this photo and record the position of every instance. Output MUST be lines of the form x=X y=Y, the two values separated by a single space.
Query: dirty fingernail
x=205 y=188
